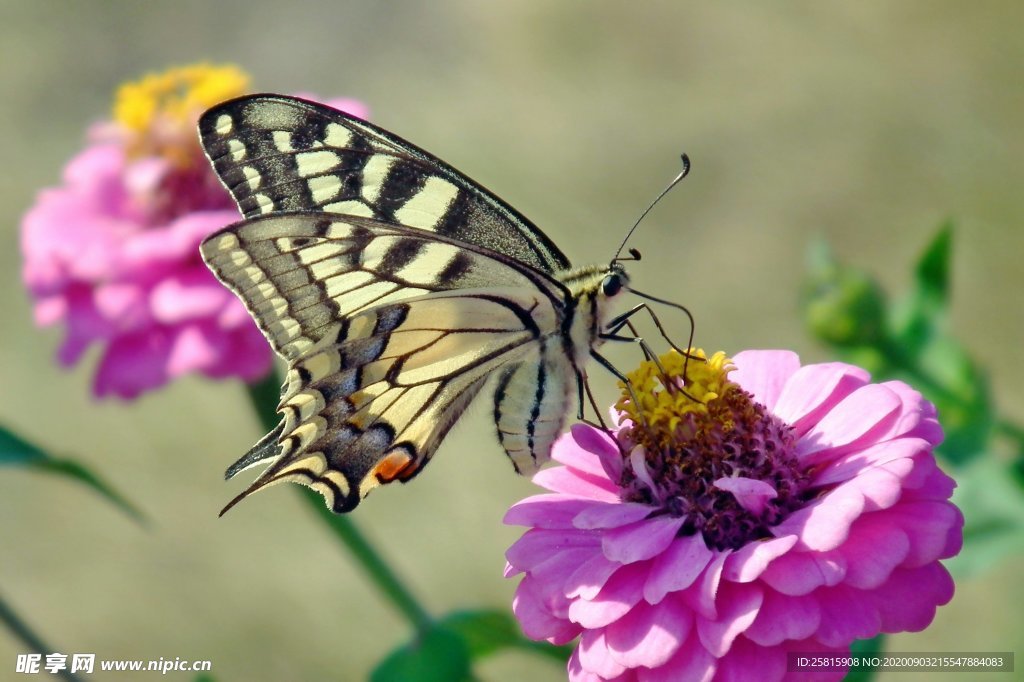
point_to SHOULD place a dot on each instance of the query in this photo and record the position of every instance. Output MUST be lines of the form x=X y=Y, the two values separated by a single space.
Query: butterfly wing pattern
x=393 y=286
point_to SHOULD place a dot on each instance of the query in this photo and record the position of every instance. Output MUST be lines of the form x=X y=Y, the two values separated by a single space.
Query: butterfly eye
x=612 y=284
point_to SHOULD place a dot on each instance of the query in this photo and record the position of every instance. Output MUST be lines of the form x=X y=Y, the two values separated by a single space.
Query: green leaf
x=16 y=451
x=932 y=272
x=487 y=631
x=921 y=316
x=865 y=647
x=438 y=654
x=484 y=631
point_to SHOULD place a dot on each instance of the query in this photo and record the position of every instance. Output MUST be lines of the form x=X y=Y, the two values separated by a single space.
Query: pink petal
x=737 y=608
x=824 y=523
x=133 y=364
x=702 y=595
x=612 y=515
x=641 y=540
x=595 y=657
x=782 y=617
x=187 y=295
x=648 y=635
x=850 y=465
x=691 y=663
x=927 y=525
x=193 y=347
x=677 y=567
x=555 y=569
x=124 y=304
x=49 y=310
x=798 y=573
x=537 y=545
x=858 y=419
x=578 y=674
x=537 y=620
x=750 y=493
x=881 y=486
x=874 y=549
x=593 y=442
x=620 y=594
x=812 y=391
x=590 y=576
x=175 y=243
x=907 y=602
x=750 y=561
x=846 y=614
x=763 y=373
x=247 y=357
x=748 y=662
x=546 y=511
x=566 y=450
x=575 y=482
x=917 y=418
x=85 y=324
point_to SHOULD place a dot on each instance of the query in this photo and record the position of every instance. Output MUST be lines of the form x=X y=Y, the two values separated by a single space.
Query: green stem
x=264 y=397
x=23 y=632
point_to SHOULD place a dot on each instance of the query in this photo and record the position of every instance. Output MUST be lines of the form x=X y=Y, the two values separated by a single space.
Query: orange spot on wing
x=396 y=464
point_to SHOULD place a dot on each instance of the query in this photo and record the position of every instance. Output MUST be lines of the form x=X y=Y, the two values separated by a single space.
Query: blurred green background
x=866 y=123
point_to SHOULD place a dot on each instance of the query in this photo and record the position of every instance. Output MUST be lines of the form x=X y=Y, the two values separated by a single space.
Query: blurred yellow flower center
x=161 y=109
x=666 y=397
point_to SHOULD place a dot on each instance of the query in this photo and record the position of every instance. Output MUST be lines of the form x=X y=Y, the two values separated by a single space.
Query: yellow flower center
x=665 y=396
x=160 y=110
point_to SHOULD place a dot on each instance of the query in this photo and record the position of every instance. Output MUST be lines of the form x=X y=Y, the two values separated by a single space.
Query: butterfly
x=395 y=288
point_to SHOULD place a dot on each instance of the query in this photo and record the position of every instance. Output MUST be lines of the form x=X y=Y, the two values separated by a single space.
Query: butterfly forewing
x=299 y=273
x=278 y=154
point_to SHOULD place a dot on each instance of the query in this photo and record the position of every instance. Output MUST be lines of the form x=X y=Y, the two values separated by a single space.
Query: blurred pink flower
x=795 y=513
x=113 y=252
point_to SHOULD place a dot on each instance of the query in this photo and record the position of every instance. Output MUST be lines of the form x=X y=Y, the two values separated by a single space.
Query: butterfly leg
x=585 y=385
x=606 y=363
x=623 y=320
x=620 y=321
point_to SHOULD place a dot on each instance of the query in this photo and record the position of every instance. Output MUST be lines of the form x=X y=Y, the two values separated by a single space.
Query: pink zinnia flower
x=779 y=510
x=113 y=253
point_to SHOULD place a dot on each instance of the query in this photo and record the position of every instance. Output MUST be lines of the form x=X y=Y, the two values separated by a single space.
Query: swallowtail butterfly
x=396 y=288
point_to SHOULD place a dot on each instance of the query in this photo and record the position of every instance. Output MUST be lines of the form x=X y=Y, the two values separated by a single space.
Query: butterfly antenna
x=675 y=181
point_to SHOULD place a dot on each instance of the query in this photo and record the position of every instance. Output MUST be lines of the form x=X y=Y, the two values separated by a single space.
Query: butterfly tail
x=267 y=448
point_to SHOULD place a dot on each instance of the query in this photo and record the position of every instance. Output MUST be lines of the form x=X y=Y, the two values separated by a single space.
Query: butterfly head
x=614 y=281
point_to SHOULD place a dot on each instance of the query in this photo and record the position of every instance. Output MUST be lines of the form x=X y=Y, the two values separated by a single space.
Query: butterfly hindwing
x=279 y=154
x=371 y=401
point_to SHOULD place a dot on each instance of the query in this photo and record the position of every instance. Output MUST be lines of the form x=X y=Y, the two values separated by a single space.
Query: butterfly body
x=395 y=288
